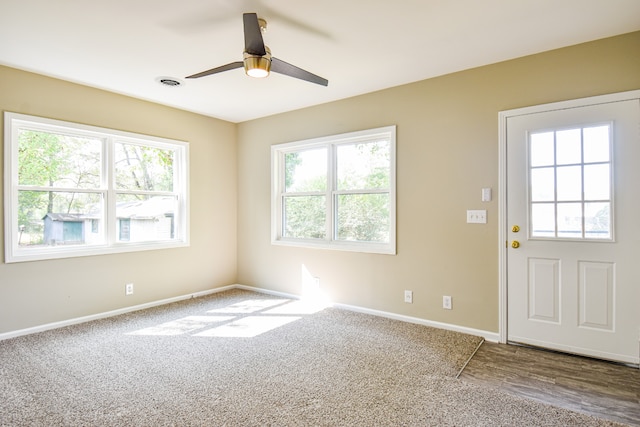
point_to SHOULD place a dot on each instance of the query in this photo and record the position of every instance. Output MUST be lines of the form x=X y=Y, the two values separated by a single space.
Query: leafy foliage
x=305 y=217
x=49 y=160
x=143 y=168
x=363 y=179
x=52 y=167
x=363 y=217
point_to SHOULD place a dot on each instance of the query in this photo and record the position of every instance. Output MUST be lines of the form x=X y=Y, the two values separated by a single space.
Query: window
x=336 y=192
x=74 y=190
x=570 y=183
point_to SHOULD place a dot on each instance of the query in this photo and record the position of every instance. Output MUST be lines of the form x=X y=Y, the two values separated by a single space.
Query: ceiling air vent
x=169 y=81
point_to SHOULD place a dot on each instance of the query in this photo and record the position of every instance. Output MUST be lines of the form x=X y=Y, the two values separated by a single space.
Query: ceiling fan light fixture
x=257 y=66
x=257 y=60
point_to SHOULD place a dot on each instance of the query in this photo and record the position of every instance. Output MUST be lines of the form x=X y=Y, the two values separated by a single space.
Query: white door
x=573 y=226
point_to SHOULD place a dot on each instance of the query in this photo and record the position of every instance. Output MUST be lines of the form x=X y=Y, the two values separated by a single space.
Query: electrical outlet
x=446 y=302
x=128 y=289
x=408 y=297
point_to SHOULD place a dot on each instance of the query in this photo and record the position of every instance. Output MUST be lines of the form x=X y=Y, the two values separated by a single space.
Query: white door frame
x=502 y=185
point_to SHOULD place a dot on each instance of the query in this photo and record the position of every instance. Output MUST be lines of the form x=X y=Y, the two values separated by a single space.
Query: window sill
x=363 y=247
x=41 y=254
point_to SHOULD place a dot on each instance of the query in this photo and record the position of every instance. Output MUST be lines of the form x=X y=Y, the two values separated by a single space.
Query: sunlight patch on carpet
x=249 y=306
x=248 y=327
x=298 y=307
x=181 y=326
x=244 y=319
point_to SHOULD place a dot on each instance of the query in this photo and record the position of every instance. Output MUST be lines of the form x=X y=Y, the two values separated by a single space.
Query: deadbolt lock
x=515 y=228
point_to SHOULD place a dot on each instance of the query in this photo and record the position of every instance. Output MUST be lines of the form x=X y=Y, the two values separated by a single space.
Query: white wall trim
x=83 y=319
x=502 y=226
x=489 y=336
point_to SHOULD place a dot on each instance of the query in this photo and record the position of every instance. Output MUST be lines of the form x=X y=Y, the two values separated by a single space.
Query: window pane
x=597 y=220
x=305 y=217
x=543 y=220
x=569 y=183
x=143 y=168
x=542 y=185
x=597 y=184
x=48 y=218
x=306 y=170
x=596 y=144
x=568 y=147
x=142 y=218
x=52 y=160
x=542 y=151
x=363 y=166
x=570 y=220
x=363 y=217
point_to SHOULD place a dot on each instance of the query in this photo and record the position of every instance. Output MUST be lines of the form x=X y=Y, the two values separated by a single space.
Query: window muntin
x=75 y=190
x=336 y=192
x=570 y=184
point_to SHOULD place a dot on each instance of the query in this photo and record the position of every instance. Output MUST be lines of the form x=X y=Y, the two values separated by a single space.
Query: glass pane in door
x=570 y=183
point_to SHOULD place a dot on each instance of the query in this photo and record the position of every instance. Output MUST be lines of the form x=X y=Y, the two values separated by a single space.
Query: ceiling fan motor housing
x=256 y=65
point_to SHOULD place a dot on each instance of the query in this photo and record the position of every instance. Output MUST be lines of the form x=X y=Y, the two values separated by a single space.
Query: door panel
x=544 y=289
x=571 y=178
x=597 y=288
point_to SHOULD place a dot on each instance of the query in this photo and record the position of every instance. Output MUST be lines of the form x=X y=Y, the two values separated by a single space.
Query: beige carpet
x=244 y=359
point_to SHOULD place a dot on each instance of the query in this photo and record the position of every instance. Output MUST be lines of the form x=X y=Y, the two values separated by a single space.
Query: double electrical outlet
x=446 y=300
x=128 y=289
x=408 y=297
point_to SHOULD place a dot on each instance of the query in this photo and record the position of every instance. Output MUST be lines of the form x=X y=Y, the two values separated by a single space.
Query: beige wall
x=447 y=151
x=447 y=130
x=35 y=293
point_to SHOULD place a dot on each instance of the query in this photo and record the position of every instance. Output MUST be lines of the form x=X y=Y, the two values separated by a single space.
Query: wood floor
x=605 y=390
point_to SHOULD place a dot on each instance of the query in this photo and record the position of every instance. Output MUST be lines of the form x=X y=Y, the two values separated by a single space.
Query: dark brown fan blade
x=278 y=66
x=253 y=43
x=232 y=66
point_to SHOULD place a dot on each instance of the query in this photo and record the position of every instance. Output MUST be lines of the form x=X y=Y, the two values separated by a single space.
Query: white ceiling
x=360 y=46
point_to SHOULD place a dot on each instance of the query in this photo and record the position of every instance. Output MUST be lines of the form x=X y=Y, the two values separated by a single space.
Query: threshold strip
x=469 y=359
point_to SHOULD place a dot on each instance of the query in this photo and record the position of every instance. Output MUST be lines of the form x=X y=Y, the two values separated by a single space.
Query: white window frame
x=331 y=142
x=13 y=122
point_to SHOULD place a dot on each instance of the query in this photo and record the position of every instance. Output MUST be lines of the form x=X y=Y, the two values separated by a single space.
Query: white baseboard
x=489 y=336
x=83 y=319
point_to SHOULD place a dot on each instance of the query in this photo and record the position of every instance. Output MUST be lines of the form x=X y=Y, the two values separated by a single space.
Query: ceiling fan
x=258 y=61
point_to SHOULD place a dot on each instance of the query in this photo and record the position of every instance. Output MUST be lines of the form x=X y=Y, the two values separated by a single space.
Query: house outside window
x=75 y=190
x=336 y=192
x=124 y=231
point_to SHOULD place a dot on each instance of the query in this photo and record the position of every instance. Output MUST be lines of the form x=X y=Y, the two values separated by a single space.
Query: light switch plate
x=486 y=194
x=477 y=217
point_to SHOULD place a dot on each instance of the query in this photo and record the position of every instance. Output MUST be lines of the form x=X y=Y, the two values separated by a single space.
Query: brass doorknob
x=515 y=228
x=515 y=244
